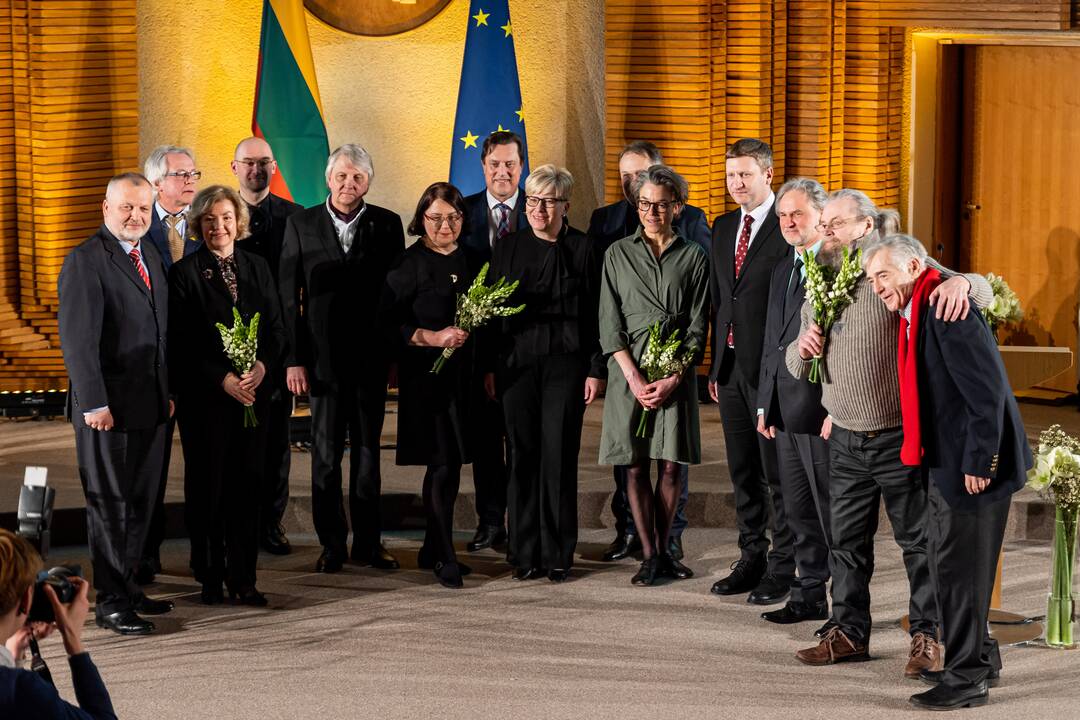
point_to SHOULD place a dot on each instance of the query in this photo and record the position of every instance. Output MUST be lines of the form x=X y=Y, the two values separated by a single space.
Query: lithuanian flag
x=288 y=112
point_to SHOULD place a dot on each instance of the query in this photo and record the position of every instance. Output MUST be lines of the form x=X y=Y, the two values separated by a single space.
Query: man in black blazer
x=493 y=213
x=746 y=247
x=113 y=319
x=789 y=410
x=608 y=224
x=254 y=166
x=334 y=262
x=962 y=425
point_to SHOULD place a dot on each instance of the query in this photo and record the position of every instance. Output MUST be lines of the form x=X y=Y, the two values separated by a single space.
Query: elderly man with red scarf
x=962 y=426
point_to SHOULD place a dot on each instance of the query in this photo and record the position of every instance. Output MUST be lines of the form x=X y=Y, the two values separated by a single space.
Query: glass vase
x=1059 y=605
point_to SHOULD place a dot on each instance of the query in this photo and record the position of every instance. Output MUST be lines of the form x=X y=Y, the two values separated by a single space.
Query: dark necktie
x=794 y=282
x=502 y=228
x=740 y=257
x=134 y=255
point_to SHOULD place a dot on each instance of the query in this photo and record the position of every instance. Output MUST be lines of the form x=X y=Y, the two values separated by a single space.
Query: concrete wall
x=394 y=95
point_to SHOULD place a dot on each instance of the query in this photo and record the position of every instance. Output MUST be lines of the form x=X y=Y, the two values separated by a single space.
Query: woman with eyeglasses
x=546 y=366
x=418 y=305
x=653 y=276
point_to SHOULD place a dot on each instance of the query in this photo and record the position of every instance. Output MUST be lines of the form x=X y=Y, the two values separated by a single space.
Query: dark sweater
x=24 y=695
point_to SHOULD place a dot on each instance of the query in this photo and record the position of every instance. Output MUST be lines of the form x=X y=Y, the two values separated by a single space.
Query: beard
x=128 y=233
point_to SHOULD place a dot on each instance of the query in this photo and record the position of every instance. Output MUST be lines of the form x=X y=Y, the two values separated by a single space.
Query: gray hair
x=886 y=222
x=812 y=189
x=156 y=165
x=901 y=248
x=356 y=155
x=661 y=176
x=550 y=176
x=131 y=178
x=643 y=147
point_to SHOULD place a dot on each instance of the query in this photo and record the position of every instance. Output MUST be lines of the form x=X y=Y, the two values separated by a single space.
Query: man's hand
x=253 y=377
x=593 y=388
x=20 y=641
x=811 y=342
x=296 y=380
x=826 y=427
x=769 y=432
x=657 y=393
x=489 y=385
x=713 y=392
x=70 y=618
x=975 y=485
x=100 y=420
x=232 y=385
x=950 y=299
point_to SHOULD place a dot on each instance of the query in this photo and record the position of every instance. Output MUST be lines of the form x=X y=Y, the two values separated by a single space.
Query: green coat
x=638 y=290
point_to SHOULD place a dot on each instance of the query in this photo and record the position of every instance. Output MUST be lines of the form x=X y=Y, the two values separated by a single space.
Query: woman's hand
x=20 y=641
x=253 y=377
x=448 y=337
x=231 y=385
x=657 y=393
x=637 y=385
x=593 y=388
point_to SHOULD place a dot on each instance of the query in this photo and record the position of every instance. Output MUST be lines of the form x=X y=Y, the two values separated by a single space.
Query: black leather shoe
x=622 y=546
x=744 y=577
x=948 y=697
x=275 y=542
x=379 y=558
x=797 y=612
x=248 y=596
x=558 y=575
x=448 y=575
x=487 y=536
x=527 y=573
x=772 y=590
x=674 y=548
x=125 y=622
x=331 y=561
x=212 y=594
x=647 y=573
x=934 y=677
x=425 y=562
x=148 y=606
x=673 y=568
x=824 y=629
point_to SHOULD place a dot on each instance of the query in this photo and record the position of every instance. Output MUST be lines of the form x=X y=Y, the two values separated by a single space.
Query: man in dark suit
x=790 y=411
x=171 y=170
x=493 y=213
x=113 y=318
x=608 y=224
x=334 y=262
x=962 y=425
x=254 y=166
x=746 y=247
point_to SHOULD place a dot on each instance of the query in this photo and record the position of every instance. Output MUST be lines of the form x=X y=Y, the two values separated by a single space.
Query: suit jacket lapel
x=211 y=273
x=126 y=267
x=770 y=223
x=793 y=303
x=729 y=240
x=327 y=233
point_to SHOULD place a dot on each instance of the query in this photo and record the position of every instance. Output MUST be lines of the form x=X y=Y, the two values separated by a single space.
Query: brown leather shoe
x=926 y=654
x=835 y=647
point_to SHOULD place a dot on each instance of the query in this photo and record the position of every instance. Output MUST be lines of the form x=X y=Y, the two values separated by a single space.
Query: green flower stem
x=1059 y=607
x=441 y=360
x=249 y=417
x=643 y=424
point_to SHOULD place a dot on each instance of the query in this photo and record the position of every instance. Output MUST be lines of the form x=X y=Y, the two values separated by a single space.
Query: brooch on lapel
x=208 y=274
x=453 y=277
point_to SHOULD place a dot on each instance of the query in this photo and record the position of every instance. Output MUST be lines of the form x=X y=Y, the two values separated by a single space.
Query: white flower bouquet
x=241 y=342
x=478 y=305
x=829 y=291
x=662 y=358
x=1005 y=308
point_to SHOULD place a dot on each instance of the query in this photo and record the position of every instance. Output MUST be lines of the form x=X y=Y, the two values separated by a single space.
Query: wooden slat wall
x=68 y=122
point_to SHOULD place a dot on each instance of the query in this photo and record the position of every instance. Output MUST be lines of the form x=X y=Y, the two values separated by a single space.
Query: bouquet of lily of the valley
x=829 y=291
x=662 y=358
x=1005 y=308
x=479 y=304
x=241 y=343
x=1056 y=476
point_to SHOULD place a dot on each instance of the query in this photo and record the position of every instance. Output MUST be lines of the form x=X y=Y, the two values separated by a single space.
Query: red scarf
x=907 y=362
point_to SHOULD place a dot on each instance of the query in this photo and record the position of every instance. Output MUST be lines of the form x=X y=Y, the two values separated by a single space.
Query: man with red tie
x=746 y=247
x=113 y=315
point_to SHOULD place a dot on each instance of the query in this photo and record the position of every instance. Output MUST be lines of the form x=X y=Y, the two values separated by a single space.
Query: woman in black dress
x=418 y=307
x=223 y=460
x=547 y=367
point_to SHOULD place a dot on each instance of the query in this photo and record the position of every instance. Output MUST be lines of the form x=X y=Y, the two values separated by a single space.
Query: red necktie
x=134 y=255
x=740 y=257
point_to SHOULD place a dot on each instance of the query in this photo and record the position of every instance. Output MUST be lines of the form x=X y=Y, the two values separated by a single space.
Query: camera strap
x=37 y=663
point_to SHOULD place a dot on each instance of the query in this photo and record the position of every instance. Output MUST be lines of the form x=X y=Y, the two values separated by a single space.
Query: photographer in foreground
x=23 y=693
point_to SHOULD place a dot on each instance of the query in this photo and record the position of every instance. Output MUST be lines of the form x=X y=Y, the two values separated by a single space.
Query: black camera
x=41 y=610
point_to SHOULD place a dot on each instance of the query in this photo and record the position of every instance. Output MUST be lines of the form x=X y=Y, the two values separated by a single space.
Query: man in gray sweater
x=862 y=396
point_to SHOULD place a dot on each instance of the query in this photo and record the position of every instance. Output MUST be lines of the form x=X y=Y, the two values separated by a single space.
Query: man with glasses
x=608 y=224
x=254 y=166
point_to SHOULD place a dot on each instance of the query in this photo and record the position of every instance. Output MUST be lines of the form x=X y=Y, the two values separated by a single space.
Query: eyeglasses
x=437 y=220
x=835 y=225
x=661 y=206
x=549 y=203
x=185 y=176
x=260 y=163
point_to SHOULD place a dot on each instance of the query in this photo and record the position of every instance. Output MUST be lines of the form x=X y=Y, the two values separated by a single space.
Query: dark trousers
x=755 y=477
x=120 y=472
x=863 y=469
x=620 y=504
x=274 y=484
x=155 y=534
x=358 y=410
x=223 y=468
x=544 y=410
x=490 y=457
x=804 y=478
x=964 y=547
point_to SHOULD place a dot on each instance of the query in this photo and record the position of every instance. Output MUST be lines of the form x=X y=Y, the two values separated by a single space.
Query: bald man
x=254 y=166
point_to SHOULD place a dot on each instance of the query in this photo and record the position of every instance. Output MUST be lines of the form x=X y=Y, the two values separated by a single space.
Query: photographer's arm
x=94 y=701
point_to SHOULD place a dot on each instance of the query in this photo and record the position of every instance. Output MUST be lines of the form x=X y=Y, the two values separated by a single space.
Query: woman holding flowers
x=653 y=280
x=223 y=456
x=418 y=312
x=546 y=366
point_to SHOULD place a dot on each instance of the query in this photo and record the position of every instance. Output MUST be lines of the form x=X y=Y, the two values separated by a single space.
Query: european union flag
x=489 y=97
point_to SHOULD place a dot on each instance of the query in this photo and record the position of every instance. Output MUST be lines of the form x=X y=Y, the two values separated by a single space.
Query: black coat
x=743 y=300
x=476 y=231
x=198 y=298
x=620 y=219
x=970 y=423
x=158 y=235
x=330 y=300
x=790 y=404
x=112 y=333
x=266 y=230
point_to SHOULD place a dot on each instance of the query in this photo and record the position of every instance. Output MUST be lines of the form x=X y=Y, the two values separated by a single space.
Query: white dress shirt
x=759 y=214
x=346 y=231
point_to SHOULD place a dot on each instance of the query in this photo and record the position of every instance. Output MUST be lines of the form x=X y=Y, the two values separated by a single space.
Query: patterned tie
x=740 y=258
x=134 y=255
x=176 y=241
x=503 y=227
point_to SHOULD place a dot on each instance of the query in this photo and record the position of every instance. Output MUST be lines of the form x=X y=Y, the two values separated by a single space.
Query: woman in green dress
x=653 y=276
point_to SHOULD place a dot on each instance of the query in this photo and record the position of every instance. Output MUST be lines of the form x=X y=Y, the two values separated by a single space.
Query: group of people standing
x=346 y=307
